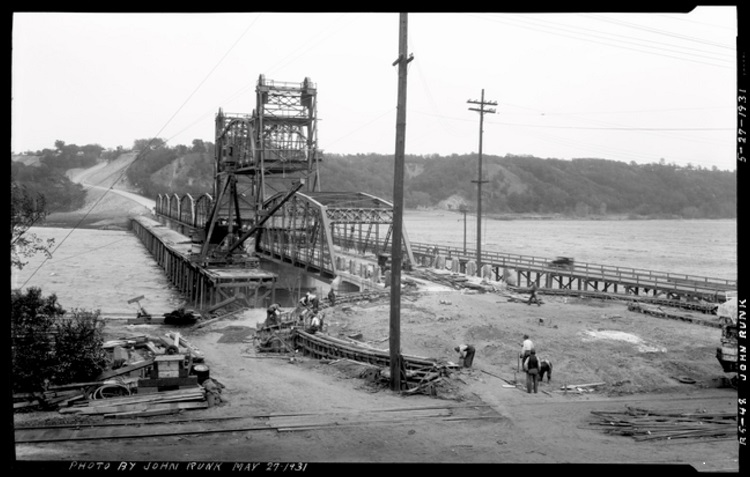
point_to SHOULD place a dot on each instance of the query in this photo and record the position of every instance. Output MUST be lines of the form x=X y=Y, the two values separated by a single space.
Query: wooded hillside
x=515 y=184
x=526 y=184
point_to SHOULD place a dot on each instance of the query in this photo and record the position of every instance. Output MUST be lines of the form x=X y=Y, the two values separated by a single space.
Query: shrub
x=47 y=347
x=79 y=356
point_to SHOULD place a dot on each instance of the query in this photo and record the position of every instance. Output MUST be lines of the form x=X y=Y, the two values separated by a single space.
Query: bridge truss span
x=313 y=230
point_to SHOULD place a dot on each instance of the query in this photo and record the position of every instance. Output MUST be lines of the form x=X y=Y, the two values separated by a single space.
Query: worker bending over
x=465 y=355
x=273 y=315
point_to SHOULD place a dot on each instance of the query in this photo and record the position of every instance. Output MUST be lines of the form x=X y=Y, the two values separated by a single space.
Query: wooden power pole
x=482 y=111
x=397 y=367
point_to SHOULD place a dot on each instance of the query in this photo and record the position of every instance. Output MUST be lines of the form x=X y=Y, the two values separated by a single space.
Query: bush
x=45 y=347
x=32 y=328
x=79 y=356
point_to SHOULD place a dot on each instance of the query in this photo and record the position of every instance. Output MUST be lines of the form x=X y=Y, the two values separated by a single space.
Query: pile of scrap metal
x=147 y=376
x=181 y=316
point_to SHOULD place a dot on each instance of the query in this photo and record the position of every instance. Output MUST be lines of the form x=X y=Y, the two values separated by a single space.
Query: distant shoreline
x=618 y=217
x=122 y=222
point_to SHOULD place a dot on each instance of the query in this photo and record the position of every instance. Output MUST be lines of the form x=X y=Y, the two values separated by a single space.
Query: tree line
x=531 y=185
x=515 y=184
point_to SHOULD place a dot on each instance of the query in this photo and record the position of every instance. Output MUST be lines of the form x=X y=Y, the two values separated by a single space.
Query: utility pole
x=397 y=366
x=463 y=210
x=482 y=111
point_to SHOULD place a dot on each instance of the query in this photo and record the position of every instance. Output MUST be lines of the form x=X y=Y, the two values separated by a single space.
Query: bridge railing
x=626 y=275
x=588 y=268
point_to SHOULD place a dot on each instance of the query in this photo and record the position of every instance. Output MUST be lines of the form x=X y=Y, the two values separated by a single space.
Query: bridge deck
x=206 y=288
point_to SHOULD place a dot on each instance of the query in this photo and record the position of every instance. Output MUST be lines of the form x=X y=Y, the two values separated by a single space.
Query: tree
x=198 y=145
x=32 y=322
x=50 y=348
x=26 y=210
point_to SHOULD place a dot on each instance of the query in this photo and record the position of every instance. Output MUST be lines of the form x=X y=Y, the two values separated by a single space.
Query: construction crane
x=273 y=149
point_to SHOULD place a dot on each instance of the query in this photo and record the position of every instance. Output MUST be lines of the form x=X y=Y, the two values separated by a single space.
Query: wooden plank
x=21 y=405
x=125 y=369
x=177 y=381
x=166 y=408
x=145 y=406
x=196 y=392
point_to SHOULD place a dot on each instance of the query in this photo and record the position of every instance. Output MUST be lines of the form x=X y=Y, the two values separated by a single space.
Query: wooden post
x=396 y=360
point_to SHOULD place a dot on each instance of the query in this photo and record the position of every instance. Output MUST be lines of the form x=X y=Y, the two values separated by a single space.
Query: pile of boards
x=52 y=398
x=453 y=280
x=660 y=313
x=643 y=425
x=139 y=405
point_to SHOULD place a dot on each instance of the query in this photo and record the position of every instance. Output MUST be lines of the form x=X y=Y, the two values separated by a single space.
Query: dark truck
x=566 y=263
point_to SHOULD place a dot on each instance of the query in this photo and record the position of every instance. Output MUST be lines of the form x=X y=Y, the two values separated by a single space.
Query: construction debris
x=643 y=425
x=659 y=312
x=147 y=376
x=136 y=405
x=457 y=281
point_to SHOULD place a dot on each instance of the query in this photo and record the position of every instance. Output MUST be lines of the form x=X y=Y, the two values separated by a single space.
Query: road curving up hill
x=110 y=200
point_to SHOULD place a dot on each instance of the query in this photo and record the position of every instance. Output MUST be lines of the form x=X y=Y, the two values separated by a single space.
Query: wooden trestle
x=204 y=288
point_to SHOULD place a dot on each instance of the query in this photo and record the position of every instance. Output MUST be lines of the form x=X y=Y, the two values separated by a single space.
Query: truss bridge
x=267 y=211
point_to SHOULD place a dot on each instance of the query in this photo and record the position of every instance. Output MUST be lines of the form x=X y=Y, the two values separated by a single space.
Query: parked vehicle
x=728 y=351
x=563 y=262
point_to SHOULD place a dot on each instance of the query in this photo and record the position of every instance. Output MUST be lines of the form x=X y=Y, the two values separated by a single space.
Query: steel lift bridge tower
x=267 y=199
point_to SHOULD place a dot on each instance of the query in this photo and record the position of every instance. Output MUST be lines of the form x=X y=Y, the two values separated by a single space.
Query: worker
x=465 y=355
x=316 y=323
x=331 y=297
x=533 y=295
x=527 y=348
x=531 y=366
x=308 y=301
x=273 y=315
x=545 y=367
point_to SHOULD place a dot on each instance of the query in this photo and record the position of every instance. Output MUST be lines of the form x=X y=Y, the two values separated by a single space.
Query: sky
x=631 y=87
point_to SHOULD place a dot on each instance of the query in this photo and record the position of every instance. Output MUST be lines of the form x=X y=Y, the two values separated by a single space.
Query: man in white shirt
x=527 y=348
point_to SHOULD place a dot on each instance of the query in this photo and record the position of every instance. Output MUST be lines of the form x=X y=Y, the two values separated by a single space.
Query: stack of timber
x=645 y=425
x=514 y=298
x=453 y=280
x=50 y=398
x=138 y=405
x=658 y=312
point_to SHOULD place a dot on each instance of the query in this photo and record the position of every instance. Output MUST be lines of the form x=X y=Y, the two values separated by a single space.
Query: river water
x=693 y=247
x=103 y=269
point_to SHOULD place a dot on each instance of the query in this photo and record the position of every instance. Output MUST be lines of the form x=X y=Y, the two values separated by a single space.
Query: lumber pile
x=137 y=405
x=645 y=425
x=454 y=280
x=660 y=313
x=49 y=399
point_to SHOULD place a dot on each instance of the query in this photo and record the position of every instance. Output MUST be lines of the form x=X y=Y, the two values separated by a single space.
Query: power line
x=514 y=22
x=612 y=128
x=141 y=154
x=636 y=26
